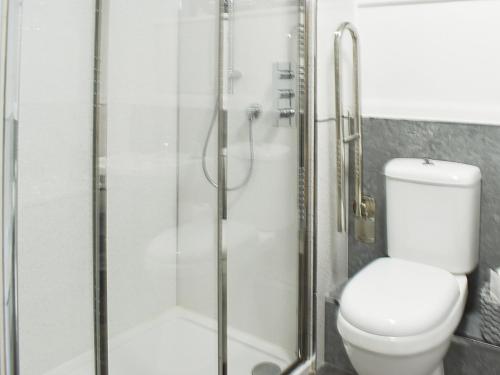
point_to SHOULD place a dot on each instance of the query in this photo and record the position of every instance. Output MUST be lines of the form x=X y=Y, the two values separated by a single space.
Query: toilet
x=398 y=314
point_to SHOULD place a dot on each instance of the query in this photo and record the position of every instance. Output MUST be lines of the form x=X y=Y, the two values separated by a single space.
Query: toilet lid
x=394 y=297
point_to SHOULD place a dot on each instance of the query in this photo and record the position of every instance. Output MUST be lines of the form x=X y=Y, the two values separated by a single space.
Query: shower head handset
x=253 y=112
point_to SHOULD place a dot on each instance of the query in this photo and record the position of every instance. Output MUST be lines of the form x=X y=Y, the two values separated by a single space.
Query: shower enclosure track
x=99 y=206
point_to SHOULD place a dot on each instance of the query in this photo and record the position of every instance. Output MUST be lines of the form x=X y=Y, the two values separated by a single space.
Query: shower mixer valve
x=284 y=93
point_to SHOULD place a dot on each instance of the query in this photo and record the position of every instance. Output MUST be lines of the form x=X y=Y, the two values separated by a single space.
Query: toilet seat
x=377 y=310
x=395 y=297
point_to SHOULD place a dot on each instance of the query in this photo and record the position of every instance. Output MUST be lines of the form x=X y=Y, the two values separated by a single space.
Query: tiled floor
x=465 y=357
x=329 y=370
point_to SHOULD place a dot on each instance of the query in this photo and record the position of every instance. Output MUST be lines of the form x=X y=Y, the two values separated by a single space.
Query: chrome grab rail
x=356 y=124
x=363 y=206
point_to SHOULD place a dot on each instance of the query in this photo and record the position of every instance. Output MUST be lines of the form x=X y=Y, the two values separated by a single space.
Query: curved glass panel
x=261 y=234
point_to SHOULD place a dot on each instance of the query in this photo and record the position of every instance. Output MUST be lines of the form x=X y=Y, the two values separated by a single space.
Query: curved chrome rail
x=363 y=206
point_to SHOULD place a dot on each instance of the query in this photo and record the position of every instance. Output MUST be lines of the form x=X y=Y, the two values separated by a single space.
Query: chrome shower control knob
x=287 y=75
x=286 y=112
x=286 y=94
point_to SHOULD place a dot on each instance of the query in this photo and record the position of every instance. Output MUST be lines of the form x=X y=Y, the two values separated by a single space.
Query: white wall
x=55 y=183
x=434 y=60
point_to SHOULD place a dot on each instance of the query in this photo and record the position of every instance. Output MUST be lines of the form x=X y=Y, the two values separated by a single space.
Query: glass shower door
x=204 y=176
x=159 y=97
x=47 y=187
x=261 y=233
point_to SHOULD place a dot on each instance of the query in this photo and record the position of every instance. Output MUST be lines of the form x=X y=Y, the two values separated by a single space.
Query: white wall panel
x=432 y=60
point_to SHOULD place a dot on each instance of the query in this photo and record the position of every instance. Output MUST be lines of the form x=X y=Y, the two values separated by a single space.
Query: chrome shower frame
x=99 y=189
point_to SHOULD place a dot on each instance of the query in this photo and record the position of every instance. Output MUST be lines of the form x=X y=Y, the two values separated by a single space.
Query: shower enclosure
x=157 y=187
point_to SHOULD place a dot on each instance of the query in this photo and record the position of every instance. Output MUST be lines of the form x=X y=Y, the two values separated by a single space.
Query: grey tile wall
x=472 y=144
x=465 y=357
x=470 y=357
x=335 y=353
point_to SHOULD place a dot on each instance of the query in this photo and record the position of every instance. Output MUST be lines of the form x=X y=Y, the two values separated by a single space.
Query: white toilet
x=398 y=314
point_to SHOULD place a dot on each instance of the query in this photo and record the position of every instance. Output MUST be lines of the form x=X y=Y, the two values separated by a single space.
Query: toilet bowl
x=383 y=339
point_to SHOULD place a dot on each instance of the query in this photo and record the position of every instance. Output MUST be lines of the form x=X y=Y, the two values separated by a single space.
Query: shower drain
x=266 y=368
